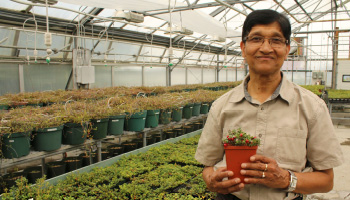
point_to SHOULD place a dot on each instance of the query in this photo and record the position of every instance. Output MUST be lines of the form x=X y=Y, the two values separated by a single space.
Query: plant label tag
x=143 y=118
x=11 y=140
x=98 y=121
x=181 y=107
x=169 y=112
x=115 y=120
x=191 y=107
x=52 y=129
x=157 y=113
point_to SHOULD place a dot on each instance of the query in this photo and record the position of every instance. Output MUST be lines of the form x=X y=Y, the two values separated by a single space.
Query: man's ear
x=287 y=51
x=242 y=49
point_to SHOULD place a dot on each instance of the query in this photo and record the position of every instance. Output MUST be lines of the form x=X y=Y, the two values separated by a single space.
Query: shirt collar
x=284 y=90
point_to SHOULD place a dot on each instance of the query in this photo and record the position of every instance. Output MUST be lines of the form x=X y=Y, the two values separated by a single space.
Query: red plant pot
x=235 y=156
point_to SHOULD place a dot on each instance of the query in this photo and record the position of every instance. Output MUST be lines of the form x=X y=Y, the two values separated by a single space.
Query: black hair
x=266 y=16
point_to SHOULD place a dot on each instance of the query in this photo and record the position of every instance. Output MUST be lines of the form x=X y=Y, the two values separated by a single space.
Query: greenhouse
x=141 y=99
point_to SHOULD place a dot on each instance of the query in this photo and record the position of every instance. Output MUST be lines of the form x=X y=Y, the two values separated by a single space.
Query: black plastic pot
x=33 y=173
x=86 y=158
x=179 y=131
x=115 y=149
x=55 y=168
x=73 y=163
x=139 y=142
x=129 y=146
x=10 y=179
x=188 y=128
x=150 y=140
x=170 y=134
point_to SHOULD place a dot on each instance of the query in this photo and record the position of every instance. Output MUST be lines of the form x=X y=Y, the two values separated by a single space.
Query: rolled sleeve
x=210 y=149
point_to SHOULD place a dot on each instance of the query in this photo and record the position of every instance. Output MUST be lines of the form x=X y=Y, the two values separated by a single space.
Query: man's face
x=262 y=58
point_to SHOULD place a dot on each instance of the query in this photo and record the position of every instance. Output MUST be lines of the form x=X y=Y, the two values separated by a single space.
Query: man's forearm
x=315 y=182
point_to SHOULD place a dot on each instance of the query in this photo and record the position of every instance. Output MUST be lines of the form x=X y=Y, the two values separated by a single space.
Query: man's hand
x=215 y=183
x=265 y=171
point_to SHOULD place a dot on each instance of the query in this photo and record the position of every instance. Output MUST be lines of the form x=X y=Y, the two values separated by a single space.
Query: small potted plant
x=239 y=147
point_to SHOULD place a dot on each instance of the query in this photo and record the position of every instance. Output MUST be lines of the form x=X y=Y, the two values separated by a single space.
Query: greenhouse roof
x=151 y=27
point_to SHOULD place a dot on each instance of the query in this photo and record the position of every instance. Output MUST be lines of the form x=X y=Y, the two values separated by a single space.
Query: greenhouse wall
x=15 y=78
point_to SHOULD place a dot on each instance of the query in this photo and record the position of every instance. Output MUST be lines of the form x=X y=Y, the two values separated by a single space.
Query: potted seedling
x=239 y=147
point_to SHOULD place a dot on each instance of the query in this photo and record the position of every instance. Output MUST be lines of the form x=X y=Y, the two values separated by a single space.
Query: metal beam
x=302 y=8
x=192 y=7
x=16 y=19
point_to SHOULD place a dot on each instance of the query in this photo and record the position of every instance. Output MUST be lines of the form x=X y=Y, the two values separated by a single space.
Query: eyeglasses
x=275 y=42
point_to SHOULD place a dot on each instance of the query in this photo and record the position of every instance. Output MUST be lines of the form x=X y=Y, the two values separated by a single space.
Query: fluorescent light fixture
x=128 y=16
x=50 y=2
x=217 y=38
x=178 y=30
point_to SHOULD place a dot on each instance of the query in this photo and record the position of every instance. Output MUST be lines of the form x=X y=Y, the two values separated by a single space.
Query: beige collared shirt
x=294 y=126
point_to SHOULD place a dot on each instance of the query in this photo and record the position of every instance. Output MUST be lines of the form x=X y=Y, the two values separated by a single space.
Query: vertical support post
x=217 y=69
x=293 y=68
x=335 y=58
x=99 y=146
x=112 y=76
x=202 y=74
x=143 y=75
x=43 y=167
x=21 y=78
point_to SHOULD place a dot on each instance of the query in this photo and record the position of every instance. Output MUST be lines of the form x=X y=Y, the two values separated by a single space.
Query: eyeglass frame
x=286 y=42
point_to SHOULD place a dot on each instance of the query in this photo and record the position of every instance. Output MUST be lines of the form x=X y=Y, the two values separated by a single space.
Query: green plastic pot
x=74 y=133
x=165 y=116
x=136 y=122
x=196 y=109
x=116 y=125
x=4 y=107
x=48 y=139
x=176 y=114
x=99 y=128
x=152 y=119
x=204 y=108
x=187 y=111
x=16 y=145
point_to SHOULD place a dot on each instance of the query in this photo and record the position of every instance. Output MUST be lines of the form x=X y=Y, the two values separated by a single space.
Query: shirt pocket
x=291 y=145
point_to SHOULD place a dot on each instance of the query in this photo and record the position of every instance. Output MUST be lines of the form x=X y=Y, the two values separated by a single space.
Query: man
x=298 y=149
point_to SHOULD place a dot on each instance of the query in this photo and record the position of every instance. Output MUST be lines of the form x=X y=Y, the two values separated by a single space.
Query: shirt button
x=262 y=108
x=260 y=135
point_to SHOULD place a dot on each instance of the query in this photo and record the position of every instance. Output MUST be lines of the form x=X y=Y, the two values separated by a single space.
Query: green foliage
x=159 y=173
x=237 y=137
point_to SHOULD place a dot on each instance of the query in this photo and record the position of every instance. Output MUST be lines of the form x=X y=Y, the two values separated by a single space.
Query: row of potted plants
x=78 y=120
x=59 y=96
x=165 y=172
x=87 y=157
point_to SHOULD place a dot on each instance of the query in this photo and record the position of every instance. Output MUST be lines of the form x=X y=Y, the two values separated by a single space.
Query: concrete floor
x=341 y=189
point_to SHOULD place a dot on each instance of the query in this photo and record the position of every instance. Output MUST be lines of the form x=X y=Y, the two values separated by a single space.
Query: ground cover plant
x=168 y=171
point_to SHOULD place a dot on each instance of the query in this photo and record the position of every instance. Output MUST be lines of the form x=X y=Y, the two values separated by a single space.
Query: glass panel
x=208 y=75
x=9 y=79
x=45 y=77
x=194 y=75
x=128 y=76
x=9 y=34
x=103 y=77
x=60 y=13
x=12 y=5
x=155 y=76
x=178 y=76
